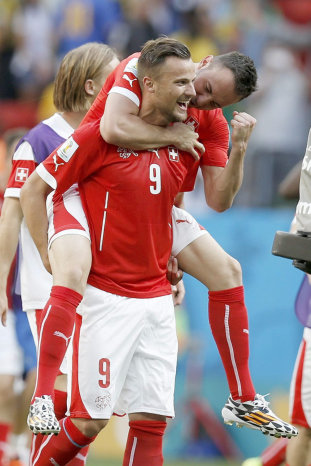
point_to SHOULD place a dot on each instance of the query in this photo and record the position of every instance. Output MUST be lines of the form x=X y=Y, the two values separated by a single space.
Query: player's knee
x=228 y=272
x=233 y=267
x=72 y=276
x=90 y=427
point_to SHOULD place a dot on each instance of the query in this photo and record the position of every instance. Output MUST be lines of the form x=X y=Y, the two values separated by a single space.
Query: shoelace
x=43 y=401
x=261 y=402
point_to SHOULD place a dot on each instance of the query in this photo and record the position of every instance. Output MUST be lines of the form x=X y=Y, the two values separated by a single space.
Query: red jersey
x=127 y=197
x=211 y=125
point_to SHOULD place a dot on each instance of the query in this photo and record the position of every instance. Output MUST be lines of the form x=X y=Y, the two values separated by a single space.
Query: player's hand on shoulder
x=186 y=139
x=3 y=307
x=242 y=126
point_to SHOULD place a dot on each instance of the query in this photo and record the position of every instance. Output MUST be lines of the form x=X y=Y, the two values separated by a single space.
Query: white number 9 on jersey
x=155 y=177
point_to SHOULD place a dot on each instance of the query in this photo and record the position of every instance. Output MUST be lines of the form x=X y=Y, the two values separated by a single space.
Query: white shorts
x=300 y=389
x=11 y=359
x=34 y=319
x=66 y=215
x=185 y=230
x=124 y=356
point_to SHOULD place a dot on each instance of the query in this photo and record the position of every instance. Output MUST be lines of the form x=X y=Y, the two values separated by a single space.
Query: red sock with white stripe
x=229 y=323
x=60 y=449
x=57 y=324
x=5 y=431
x=60 y=408
x=144 y=443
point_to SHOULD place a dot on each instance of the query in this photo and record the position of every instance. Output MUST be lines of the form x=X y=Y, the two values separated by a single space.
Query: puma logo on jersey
x=57 y=164
x=182 y=221
x=156 y=151
x=125 y=76
x=62 y=335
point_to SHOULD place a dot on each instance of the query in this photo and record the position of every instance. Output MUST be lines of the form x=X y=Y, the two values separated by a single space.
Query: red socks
x=275 y=453
x=229 y=324
x=60 y=449
x=60 y=408
x=5 y=431
x=144 y=444
x=57 y=324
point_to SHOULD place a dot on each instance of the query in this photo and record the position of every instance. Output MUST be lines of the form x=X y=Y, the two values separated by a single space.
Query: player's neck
x=151 y=115
x=73 y=118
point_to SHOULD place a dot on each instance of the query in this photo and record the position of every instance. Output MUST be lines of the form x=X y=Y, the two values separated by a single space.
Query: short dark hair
x=243 y=69
x=154 y=53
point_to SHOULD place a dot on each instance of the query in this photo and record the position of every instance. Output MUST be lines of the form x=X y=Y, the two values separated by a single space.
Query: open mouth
x=183 y=105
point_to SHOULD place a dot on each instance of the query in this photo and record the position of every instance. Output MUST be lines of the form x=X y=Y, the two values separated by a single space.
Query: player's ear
x=89 y=87
x=206 y=61
x=148 y=84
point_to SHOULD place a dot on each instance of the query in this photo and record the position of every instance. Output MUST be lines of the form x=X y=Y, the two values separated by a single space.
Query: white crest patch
x=21 y=174
x=67 y=149
x=173 y=154
x=192 y=122
x=131 y=66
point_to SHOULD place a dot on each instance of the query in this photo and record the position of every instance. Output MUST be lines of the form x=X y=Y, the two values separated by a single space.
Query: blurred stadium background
x=35 y=35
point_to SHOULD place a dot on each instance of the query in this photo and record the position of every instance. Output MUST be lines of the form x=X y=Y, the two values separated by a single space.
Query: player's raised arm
x=33 y=202
x=222 y=184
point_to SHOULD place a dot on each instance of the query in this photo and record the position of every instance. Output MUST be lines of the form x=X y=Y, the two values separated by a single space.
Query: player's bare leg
x=70 y=258
x=205 y=260
x=298 y=451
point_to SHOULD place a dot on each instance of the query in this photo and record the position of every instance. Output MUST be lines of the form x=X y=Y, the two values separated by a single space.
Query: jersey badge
x=67 y=149
x=104 y=401
x=126 y=153
x=125 y=76
x=173 y=154
x=192 y=122
x=21 y=174
x=131 y=66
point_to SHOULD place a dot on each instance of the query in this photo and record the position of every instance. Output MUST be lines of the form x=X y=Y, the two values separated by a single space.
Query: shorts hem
x=186 y=243
x=300 y=422
x=85 y=415
x=170 y=414
x=74 y=231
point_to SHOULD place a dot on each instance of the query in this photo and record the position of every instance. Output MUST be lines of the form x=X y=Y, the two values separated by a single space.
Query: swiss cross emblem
x=173 y=154
x=21 y=174
x=192 y=122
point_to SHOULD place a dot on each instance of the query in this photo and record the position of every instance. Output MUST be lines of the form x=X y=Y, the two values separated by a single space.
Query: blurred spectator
x=197 y=32
x=145 y=20
x=81 y=21
x=7 y=89
x=32 y=63
x=282 y=109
